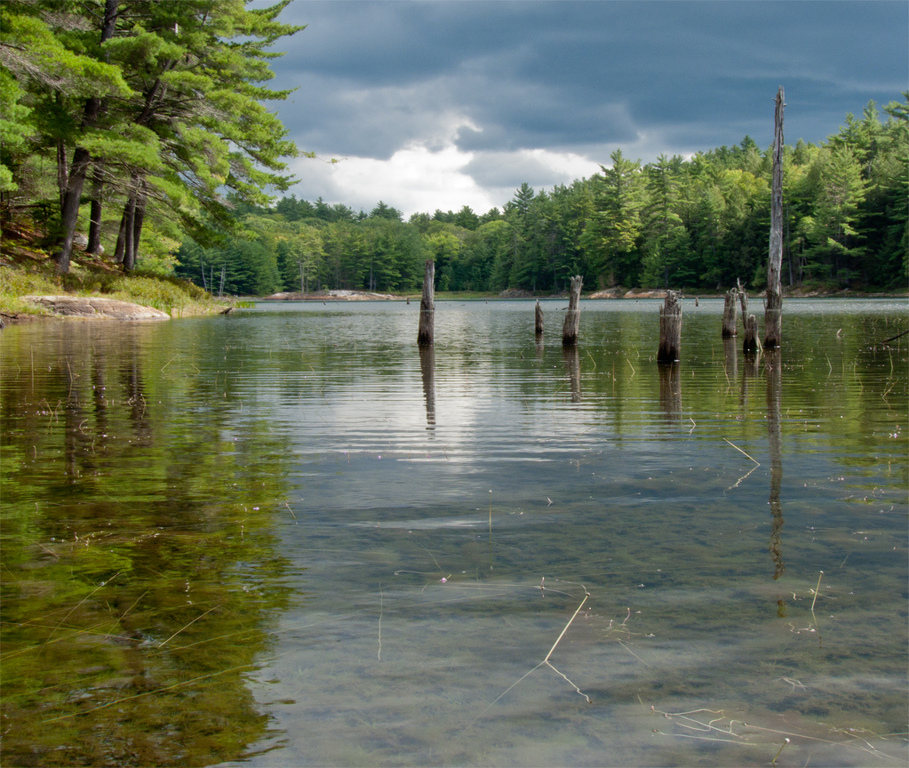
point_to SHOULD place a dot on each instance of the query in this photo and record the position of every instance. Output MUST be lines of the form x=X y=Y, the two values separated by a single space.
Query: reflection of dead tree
x=730 y=360
x=671 y=391
x=573 y=364
x=428 y=370
x=774 y=393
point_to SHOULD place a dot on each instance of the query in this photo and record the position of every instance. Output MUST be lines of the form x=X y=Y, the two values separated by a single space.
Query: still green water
x=286 y=537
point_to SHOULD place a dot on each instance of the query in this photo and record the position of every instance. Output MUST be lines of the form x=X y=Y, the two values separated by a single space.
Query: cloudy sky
x=440 y=104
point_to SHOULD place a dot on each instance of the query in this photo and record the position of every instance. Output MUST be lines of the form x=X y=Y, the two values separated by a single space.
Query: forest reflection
x=139 y=574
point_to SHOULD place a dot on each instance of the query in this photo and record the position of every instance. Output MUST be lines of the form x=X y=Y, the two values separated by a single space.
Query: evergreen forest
x=696 y=223
x=138 y=132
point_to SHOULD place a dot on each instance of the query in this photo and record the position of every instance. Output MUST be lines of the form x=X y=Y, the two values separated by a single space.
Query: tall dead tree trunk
x=427 y=306
x=573 y=316
x=773 y=311
x=730 y=314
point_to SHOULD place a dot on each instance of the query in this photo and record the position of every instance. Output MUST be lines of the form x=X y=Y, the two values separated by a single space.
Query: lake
x=289 y=537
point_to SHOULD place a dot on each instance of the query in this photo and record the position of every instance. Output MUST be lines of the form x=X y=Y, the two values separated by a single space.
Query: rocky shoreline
x=91 y=307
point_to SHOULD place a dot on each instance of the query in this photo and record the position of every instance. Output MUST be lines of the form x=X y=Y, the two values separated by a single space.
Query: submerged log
x=427 y=306
x=773 y=311
x=730 y=314
x=750 y=344
x=670 y=329
x=538 y=319
x=573 y=315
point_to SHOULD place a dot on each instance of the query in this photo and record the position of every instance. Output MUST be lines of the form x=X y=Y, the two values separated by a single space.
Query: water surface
x=288 y=537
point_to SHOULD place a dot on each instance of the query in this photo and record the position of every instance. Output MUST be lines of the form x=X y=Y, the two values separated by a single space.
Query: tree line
x=131 y=118
x=699 y=223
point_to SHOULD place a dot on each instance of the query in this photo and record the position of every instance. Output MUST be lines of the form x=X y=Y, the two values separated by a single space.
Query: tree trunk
x=573 y=315
x=124 y=238
x=71 y=196
x=138 y=220
x=538 y=319
x=730 y=314
x=750 y=344
x=670 y=329
x=427 y=306
x=94 y=224
x=69 y=214
x=743 y=300
x=773 y=311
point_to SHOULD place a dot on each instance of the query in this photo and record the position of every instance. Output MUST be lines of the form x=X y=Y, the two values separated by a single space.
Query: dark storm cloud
x=376 y=77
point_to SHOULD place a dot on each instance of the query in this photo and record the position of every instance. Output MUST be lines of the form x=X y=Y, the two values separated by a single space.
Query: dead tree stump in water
x=573 y=316
x=773 y=309
x=730 y=314
x=750 y=345
x=743 y=300
x=670 y=329
x=538 y=319
x=427 y=306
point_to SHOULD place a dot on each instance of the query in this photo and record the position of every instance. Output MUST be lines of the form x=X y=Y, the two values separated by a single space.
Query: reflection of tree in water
x=774 y=393
x=573 y=365
x=428 y=371
x=139 y=571
x=671 y=391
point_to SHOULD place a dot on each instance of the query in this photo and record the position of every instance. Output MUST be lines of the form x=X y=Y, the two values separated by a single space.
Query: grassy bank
x=26 y=270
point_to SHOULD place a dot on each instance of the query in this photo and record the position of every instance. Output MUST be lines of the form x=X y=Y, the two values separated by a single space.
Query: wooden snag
x=743 y=300
x=538 y=319
x=670 y=329
x=750 y=344
x=773 y=309
x=427 y=306
x=730 y=313
x=573 y=315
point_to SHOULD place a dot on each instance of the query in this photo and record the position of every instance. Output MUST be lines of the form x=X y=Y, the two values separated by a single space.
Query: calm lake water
x=286 y=537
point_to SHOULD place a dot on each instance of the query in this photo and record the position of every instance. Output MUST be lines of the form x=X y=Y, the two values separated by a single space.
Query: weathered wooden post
x=743 y=299
x=730 y=314
x=427 y=306
x=750 y=344
x=773 y=310
x=538 y=319
x=573 y=316
x=670 y=329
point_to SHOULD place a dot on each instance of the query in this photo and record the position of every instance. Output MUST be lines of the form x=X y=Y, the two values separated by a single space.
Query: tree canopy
x=158 y=104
